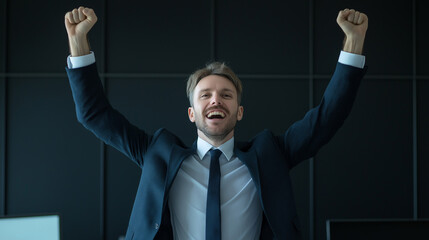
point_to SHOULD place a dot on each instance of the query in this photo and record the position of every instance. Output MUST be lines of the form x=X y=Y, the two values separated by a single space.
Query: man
x=243 y=189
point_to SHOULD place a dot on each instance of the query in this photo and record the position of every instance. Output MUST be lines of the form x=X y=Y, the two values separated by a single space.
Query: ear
x=191 y=114
x=240 y=113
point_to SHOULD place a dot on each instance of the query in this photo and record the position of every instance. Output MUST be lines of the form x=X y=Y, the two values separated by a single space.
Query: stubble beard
x=216 y=136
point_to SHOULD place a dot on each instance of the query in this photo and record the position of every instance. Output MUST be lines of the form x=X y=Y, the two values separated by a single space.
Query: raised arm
x=305 y=137
x=93 y=109
x=78 y=23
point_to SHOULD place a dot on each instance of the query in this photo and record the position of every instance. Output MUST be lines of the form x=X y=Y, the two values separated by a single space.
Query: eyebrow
x=223 y=90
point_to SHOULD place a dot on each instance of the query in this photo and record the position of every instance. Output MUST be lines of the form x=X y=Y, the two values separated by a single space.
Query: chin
x=218 y=134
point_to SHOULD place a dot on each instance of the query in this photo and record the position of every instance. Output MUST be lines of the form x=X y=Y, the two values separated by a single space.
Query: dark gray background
x=284 y=52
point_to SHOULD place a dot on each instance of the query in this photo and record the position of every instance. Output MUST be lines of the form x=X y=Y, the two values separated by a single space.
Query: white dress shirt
x=241 y=211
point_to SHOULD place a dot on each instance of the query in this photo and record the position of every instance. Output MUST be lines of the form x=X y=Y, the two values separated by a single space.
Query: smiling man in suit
x=218 y=188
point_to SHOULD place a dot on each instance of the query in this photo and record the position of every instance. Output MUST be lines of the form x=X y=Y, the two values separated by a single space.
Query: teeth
x=216 y=113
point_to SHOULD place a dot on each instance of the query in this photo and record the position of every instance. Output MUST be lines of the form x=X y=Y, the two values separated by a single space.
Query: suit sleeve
x=306 y=136
x=95 y=113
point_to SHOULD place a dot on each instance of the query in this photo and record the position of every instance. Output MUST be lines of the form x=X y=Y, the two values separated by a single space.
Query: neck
x=216 y=141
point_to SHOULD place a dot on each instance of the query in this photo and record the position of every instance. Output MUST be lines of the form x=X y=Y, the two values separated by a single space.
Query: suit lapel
x=250 y=159
x=178 y=154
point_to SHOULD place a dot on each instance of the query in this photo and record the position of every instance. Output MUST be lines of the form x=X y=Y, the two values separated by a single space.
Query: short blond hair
x=214 y=68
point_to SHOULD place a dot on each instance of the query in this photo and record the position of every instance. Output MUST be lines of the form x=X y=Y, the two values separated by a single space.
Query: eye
x=228 y=96
x=204 y=95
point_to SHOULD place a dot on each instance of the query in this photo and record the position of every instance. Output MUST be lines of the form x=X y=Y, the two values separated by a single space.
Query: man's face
x=215 y=111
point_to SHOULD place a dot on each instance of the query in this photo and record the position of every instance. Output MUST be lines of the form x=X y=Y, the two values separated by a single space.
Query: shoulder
x=263 y=138
x=164 y=136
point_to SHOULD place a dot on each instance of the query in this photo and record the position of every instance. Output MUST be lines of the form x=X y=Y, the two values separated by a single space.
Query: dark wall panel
x=382 y=39
x=3 y=16
x=3 y=19
x=2 y=143
x=149 y=104
x=263 y=38
x=422 y=68
x=422 y=37
x=423 y=150
x=272 y=104
x=366 y=169
x=154 y=103
x=53 y=162
x=158 y=36
x=38 y=38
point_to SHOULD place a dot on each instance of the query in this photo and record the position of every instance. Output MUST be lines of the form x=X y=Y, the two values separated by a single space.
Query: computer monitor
x=376 y=229
x=34 y=227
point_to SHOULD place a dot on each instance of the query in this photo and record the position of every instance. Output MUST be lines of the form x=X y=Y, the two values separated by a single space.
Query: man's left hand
x=354 y=24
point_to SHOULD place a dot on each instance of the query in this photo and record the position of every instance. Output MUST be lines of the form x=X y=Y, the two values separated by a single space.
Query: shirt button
x=156 y=226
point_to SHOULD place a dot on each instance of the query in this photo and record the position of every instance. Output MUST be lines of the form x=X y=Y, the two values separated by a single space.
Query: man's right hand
x=78 y=23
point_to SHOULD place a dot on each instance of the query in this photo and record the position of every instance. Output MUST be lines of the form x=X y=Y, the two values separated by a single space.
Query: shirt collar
x=226 y=148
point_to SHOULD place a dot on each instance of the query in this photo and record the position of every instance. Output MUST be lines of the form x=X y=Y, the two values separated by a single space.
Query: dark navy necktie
x=213 y=231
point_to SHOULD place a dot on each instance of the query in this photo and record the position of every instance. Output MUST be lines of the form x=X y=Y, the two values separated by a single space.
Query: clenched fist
x=78 y=23
x=354 y=25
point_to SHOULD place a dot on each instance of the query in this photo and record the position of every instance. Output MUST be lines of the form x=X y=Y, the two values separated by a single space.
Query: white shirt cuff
x=80 y=61
x=346 y=58
x=352 y=59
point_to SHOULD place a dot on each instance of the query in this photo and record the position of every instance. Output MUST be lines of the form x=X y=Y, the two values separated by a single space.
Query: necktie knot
x=215 y=153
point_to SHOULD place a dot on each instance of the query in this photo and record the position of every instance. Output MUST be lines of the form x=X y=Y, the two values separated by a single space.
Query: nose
x=216 y=100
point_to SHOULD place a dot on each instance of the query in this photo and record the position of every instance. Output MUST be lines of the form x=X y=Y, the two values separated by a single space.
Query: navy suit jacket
x=268 y=157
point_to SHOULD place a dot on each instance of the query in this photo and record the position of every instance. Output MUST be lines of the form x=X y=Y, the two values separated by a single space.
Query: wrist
x=79 y=46
x=354 y=44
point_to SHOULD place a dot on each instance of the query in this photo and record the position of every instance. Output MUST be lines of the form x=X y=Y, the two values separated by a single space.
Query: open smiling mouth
x=216 y=115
